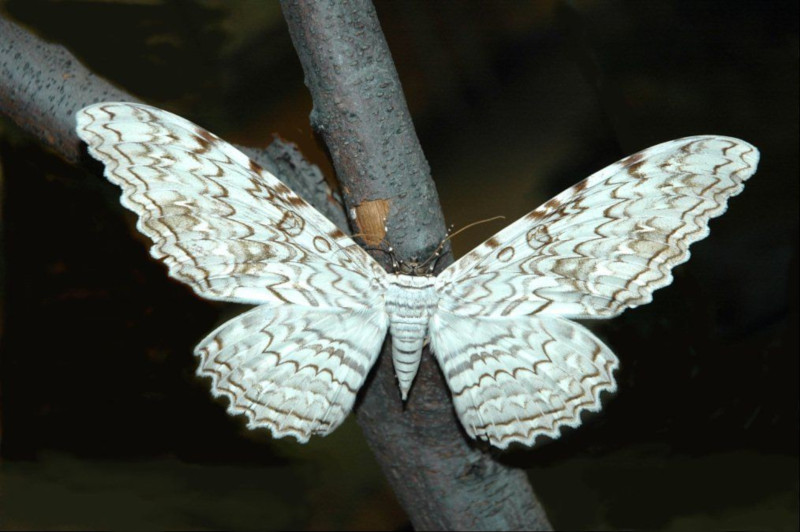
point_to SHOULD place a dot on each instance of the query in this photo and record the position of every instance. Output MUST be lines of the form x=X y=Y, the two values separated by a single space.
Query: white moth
x=497 y=319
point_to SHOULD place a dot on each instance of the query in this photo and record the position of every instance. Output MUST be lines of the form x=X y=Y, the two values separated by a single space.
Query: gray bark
x=443 y=480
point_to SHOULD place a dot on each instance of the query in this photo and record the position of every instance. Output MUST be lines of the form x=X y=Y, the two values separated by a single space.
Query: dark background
x=104 y=424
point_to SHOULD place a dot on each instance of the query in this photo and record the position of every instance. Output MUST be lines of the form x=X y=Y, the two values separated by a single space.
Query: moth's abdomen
x=409 y=303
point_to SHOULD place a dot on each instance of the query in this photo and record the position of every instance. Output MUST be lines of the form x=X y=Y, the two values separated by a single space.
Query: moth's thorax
x=410 y=300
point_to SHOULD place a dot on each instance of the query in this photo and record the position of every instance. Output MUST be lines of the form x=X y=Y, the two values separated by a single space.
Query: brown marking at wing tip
x=493 y=243
x=283 y=190
x=732 y=145
x=535 y=215
x=206 y=138
x=632 y=159
x=633 y=169
x=686 y=147
x=581 y=186
x=551 y=204
x=336 y=234
x=254 y=166
x=295 y=201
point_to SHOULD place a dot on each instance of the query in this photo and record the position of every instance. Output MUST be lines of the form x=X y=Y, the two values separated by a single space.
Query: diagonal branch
x=442 y=480
x=43 y=84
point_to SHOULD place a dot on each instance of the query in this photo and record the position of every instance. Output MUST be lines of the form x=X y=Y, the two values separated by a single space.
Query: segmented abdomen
x=409 y=303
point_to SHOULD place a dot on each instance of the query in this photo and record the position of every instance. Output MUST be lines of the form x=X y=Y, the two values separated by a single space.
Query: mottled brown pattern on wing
x=517 y=379
x=292 y=370
x=221 y=223
x=608 y=242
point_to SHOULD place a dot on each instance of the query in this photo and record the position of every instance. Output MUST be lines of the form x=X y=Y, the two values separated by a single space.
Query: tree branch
x=442 y=480
x=42 y=85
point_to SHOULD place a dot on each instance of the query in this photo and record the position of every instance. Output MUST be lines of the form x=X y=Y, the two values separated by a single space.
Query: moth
x=498 y=320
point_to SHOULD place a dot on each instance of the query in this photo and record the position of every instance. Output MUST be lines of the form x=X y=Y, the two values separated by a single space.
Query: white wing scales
x=292 y=369
x=608 y=242
x=222 y=224
x=516 y=379
x=517 y=369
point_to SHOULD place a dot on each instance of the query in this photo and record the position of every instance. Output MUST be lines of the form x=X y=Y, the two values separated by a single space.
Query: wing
x=222 y=224
x=515 y=379
x=608 y=242
x=234 y=232
x=294 y=370
x=516 y=368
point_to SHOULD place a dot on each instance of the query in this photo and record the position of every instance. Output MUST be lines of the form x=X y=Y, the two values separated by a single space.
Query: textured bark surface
x=443 y=480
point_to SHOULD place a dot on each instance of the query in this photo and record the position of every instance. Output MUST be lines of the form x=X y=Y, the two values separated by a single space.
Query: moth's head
x=415 y=267
x=426 y=268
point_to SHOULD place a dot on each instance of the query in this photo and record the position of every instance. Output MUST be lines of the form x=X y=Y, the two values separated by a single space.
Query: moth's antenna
x=389 y=250
x=473 y=224
x=368 y=248
x=450 y=235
